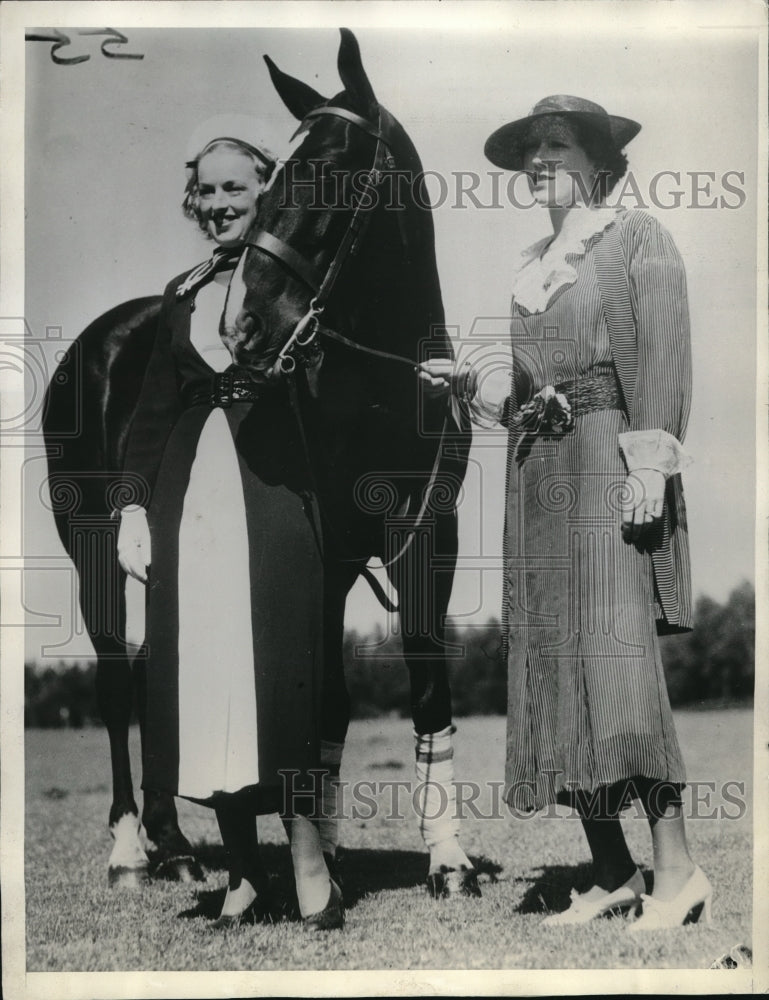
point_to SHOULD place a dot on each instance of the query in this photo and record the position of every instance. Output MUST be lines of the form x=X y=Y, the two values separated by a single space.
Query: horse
x=336 y=297
x=99 y=379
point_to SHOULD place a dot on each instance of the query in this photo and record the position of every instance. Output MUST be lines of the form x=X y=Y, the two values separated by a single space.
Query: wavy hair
x=262 y=160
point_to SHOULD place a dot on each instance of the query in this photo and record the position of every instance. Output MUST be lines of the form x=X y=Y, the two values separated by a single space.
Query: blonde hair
x=262 y=160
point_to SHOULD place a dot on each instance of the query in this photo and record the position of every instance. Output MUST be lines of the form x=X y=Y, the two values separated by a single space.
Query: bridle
x=303 y=347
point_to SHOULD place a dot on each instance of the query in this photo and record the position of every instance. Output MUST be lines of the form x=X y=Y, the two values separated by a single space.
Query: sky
x=105 y=143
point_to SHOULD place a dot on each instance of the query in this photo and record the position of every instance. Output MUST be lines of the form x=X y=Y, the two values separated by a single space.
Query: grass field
x=75 y=923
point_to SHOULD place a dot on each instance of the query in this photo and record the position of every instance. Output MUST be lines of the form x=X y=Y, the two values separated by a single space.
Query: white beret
x=269 y=137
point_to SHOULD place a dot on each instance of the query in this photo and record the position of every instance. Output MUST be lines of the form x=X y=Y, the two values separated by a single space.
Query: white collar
x=543 y=269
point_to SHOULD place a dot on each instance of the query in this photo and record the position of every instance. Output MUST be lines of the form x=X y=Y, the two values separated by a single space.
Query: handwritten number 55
x=59 y=40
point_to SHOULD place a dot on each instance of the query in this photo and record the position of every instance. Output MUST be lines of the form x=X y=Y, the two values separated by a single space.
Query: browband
x=362 y=123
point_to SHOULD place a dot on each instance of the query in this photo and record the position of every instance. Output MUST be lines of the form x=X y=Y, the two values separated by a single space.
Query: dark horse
x=337 y=296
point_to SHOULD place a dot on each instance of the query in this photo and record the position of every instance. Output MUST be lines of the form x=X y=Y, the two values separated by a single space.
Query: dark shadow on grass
x=276 y=861
x=485 y=866
x=208 y=904
x=277 y=907
x=549 y=887
x=360 y=871
x=363 y=870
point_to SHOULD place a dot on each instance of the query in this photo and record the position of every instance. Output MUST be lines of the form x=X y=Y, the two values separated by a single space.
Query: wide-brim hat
x=503 y=147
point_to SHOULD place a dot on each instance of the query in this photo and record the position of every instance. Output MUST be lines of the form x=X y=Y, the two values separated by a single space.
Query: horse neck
x=392 y=294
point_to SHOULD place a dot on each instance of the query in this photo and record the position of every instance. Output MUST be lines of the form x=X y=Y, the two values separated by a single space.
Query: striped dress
x=587 y=700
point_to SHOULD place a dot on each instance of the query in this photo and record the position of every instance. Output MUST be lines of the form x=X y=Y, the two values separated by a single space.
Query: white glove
x=643 y=501
x=133 y=542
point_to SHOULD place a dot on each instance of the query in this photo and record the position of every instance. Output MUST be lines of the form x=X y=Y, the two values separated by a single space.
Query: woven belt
x=587 y=393
x=224 y=389
x=553 y=408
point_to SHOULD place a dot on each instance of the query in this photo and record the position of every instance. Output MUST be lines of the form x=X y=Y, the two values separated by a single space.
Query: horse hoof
x=448 y=882
x=125 y=877
x=180 y=868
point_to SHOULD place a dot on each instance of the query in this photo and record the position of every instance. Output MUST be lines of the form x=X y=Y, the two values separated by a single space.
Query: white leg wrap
x=437 y=799
x=127 y=852
x=328 y=826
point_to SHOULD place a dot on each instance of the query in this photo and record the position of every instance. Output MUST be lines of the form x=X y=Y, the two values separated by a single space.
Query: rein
x=303 y=342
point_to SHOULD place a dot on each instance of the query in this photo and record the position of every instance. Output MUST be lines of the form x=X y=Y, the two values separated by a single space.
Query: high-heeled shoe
x=586 y=906
x=695 y=900
x=255 y=913
x=331 y=917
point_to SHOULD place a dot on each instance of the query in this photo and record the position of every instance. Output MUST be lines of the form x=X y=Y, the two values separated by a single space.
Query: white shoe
x=587 y=906
x=658 y=913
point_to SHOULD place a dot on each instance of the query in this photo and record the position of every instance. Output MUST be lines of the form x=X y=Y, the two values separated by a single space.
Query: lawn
x=75 y=923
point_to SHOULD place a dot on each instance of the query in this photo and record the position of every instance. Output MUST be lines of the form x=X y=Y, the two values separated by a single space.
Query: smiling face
x=561 y=174
x=228 y=193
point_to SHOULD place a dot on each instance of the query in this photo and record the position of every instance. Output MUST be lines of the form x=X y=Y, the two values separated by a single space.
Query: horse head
x=326 y=247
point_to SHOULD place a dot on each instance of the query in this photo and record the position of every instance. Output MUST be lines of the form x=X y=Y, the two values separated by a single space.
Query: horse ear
x=353 y=75
x=298 y=97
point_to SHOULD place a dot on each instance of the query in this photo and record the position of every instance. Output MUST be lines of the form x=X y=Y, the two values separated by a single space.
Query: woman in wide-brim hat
x=596 y=558
x=504 y=147
x=227 y=545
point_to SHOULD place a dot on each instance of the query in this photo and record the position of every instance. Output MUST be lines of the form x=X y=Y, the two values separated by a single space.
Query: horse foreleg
x=170 y=853
x=102 y=602
x=335 y=704
x=423 y=577
x=128 y=863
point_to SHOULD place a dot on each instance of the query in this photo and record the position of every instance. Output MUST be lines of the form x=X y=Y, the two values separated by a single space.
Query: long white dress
x=218 y=746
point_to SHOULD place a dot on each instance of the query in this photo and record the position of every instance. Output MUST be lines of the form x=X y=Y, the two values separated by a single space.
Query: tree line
x=712 y=664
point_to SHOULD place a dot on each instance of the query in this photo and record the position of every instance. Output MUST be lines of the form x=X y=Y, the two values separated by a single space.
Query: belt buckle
x=222 y=394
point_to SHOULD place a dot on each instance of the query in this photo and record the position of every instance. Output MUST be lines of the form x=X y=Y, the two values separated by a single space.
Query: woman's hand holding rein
x=435 y=376
x=442 y=377
x=133 y=542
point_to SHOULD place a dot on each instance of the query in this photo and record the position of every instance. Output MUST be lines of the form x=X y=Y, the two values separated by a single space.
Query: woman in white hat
x=228 y=549
x=596 y=560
